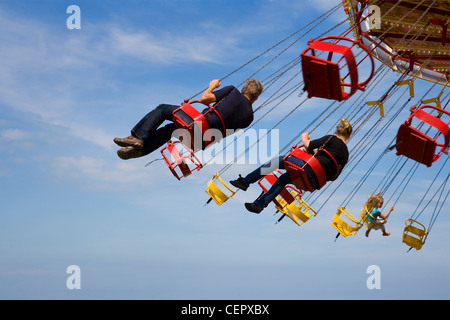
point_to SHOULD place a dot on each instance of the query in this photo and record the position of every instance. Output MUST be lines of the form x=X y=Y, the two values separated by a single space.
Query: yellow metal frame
x=410 y=83
x=414 y=236
x=298 y=210
x=436 y=100
x=344 y=228
x=350 y=8
x=216 y=193
x=379 y=103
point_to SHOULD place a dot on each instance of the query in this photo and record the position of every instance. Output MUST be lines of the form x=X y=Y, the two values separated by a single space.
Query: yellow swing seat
x=364 y=217
x=414 y=234
x=297 y=210
x=218 y=190
x=343 y=227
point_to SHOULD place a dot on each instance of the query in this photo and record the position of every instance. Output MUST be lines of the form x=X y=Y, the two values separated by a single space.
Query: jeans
x=280 y=183
x=147 y=129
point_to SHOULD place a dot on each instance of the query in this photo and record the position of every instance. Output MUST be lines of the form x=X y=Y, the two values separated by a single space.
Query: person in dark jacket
x=335 y=144
x=233 y=106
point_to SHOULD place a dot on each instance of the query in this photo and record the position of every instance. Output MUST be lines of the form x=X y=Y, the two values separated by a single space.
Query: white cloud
x=48 y=73
x=110 y=175
x=165 y=49
x=14 y=134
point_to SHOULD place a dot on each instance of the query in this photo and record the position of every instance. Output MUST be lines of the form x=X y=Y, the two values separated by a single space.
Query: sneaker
x=253 y=207
x=240 y=183
x=129 y=141
x=129 y=153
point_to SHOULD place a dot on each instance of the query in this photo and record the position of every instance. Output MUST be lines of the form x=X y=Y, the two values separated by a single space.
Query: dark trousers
x=279 y=184
x=277 y=187
x=148 y=128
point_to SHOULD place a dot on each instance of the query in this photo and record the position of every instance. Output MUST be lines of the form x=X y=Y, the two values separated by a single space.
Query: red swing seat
x=416 y=145
x=286 y=196
x=298 y=174
x=180 y=164
x=289 y=201
x=322 y=77
x=189 y=118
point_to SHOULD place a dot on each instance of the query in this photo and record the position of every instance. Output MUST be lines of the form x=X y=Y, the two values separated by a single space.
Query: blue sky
x=138 y=233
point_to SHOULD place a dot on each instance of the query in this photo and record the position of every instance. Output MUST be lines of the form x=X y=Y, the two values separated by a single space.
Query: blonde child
x=373 y=214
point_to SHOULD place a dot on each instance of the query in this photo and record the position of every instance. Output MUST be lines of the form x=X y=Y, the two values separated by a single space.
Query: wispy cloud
x=108 y=175
x=164 y=48
x=51 y=77
x=14 y=134
x=47 y=73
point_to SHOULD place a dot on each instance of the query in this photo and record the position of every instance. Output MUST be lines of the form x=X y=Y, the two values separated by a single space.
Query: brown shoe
x=129 y=153
x=129 y=141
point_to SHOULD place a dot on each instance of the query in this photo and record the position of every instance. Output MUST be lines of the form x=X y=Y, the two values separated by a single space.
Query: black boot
x=240 y=183
x=253 y=207
x=129 y=153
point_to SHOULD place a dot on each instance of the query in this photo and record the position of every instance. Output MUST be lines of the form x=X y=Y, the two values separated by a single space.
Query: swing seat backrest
x=322 y=77
x=344 y=227
x=368 y=219
x=414 y=235
x=215 y=189
x=412 y=242
x=364 y=217
x=188 y=118
x=416 y=145
x=297 y=172
x=299 y=211
x=185 y=163
x=289 y=202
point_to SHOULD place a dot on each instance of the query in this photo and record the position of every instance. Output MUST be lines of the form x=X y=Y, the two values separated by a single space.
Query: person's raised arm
x=208 y=97
x=387 y=214
x=306 y=139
